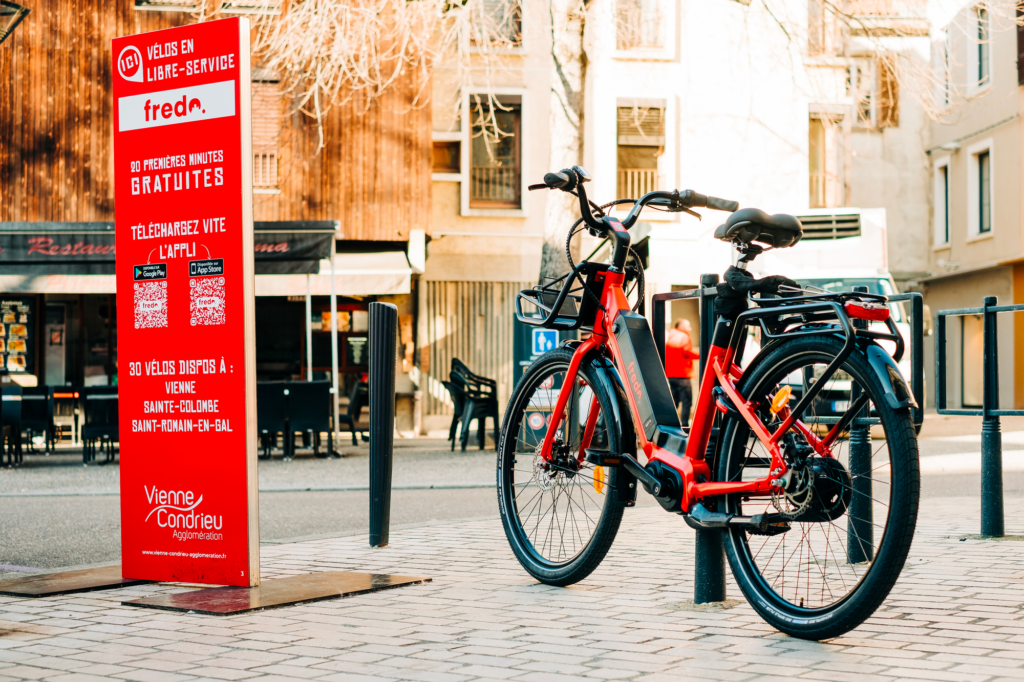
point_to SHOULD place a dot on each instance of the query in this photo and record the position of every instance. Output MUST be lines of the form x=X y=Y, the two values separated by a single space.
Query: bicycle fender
x=605 y=372
x=897 y=391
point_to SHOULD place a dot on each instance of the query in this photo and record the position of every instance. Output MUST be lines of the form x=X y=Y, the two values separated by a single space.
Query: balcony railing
x=264 y=170
x=636 y=182
x=494 y=185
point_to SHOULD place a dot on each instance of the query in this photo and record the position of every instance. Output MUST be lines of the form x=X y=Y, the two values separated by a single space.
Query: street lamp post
x=11 y=15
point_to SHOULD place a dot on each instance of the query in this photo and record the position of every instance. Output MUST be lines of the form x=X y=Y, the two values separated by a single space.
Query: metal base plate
x=296 y=589
x=66 y=582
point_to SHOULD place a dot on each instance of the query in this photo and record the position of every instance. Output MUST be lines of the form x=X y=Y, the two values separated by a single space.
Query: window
x=500 y=24
x=942 y=202
x=980 y=195
x=945 y=204
x=816 y=158
x=821 y=28
x=983 y=46
x=447 y=156
x=641 y=142
x=1020 y=44
x=266 y=129
x=984 y=192
x=888 y=99
x=877 y=92
x=495 y=152
x=639 y=24
x=947 y=72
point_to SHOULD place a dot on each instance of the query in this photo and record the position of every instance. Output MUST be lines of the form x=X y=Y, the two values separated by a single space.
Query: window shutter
x=641 y=126
x=266 y=127
x=888 y=115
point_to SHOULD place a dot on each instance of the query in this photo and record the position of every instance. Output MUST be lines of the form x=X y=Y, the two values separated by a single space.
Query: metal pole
x=860 y=538
x=309 y=332
x=383 y=333
x=334 y=353
x=991 y=438
x=709 y=561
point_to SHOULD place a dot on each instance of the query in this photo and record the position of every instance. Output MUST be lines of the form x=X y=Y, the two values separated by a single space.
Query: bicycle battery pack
x=645 y=377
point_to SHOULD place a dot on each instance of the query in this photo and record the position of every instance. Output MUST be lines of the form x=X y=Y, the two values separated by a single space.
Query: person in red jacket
x=679 y=357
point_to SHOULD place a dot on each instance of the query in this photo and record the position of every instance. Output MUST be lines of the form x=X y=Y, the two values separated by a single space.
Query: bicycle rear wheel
x=560 y=517
x=844 y=524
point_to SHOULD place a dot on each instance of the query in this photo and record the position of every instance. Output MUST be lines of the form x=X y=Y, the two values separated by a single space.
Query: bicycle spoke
x=809 y=565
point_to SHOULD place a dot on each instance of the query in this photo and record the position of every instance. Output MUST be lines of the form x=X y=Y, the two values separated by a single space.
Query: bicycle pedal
x=604 y=458
x=765 y=526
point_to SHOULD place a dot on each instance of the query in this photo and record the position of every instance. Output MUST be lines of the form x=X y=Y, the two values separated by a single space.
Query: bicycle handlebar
x=572 y=180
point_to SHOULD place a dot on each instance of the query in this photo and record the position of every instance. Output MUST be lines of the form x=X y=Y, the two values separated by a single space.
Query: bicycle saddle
x=754 y=225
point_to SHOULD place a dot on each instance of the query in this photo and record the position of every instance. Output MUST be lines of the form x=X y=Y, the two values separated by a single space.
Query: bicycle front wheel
x=842 y=524
x=560 y=516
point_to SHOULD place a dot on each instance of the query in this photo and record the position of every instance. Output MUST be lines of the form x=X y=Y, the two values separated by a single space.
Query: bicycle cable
x=573 y=231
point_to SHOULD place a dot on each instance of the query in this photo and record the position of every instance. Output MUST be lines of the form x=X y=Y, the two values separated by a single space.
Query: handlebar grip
x=722 y=204
x=556 y=180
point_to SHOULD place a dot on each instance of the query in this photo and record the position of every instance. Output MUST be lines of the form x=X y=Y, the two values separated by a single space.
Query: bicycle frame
x=722 y=371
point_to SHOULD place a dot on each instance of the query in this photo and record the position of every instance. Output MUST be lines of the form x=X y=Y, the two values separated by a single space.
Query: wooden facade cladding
x=373 y=175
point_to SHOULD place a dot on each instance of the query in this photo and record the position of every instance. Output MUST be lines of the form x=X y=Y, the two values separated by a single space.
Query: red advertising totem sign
x=185 y=305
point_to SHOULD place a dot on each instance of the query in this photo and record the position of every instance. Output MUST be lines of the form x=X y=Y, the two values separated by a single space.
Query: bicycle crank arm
x=651 y=484
x=702 y=518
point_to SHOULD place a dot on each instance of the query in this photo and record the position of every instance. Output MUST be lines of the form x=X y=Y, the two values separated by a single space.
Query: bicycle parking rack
x=709 y=568
x=992 y=522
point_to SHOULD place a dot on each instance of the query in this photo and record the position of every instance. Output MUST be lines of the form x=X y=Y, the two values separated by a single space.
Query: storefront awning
x=356 y=274
x=46 y=249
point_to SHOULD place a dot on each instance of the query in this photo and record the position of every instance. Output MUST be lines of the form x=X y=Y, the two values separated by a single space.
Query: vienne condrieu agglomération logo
x=179 y=511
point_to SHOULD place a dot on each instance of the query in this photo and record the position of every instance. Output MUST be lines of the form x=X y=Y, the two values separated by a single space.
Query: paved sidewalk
x=955 y=615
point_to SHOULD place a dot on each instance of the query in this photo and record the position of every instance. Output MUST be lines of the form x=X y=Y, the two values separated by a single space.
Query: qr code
x=207 y=300
x=150 y=304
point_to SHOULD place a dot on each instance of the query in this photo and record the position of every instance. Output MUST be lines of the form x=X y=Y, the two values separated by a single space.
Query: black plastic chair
x=357 y=400
x=37 y=415
x=99 y=404
x=480 y=396
x=272 y=415
x=309 y=410
x=10 y=409
x=459 y=404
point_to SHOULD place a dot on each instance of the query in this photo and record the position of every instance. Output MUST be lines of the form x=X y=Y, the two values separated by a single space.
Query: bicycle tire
x=546 y=569
x=893 y=547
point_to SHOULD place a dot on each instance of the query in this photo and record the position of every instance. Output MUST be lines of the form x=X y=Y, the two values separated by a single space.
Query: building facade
x=976 y=244
x=791 y=108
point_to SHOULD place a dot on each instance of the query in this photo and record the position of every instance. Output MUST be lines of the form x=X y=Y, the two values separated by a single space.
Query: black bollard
x=709 y=560
x=383 y=334
x=860 y=534
x=991 y=438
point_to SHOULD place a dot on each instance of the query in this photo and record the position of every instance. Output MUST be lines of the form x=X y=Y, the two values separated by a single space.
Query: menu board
x=186 y=286
x=17 y=342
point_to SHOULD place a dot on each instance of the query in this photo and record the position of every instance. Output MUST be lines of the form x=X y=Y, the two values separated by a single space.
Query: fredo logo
x=176 y=509
x=129 y=64
x=179 y=105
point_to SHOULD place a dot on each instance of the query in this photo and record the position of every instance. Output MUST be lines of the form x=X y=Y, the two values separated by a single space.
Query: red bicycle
x=807 y=458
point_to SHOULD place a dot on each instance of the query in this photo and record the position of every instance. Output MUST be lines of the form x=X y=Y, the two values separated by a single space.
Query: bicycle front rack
x=561 y=303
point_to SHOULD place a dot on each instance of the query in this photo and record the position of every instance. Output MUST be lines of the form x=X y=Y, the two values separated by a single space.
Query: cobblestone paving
x=956 y=614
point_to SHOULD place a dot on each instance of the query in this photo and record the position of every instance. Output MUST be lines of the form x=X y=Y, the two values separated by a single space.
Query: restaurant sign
x=285 y=247
x=185 y=278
